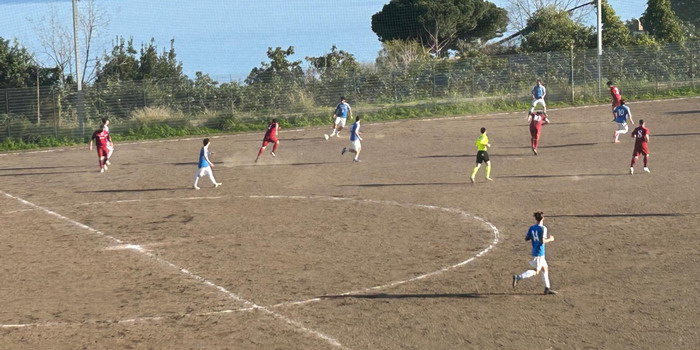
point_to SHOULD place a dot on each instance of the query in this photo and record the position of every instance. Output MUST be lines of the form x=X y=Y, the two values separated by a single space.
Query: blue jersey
x=621 y=113
x=203 y=156
x=355 y=131
x=342 y=110
x=538 y=91
x=536 y=234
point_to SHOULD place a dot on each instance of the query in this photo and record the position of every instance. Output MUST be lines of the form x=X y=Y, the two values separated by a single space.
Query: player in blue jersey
x=340 y=115
x=621 y=114
x=538 y=94
x=205 y=166
x=355 y=138
x=537 y=235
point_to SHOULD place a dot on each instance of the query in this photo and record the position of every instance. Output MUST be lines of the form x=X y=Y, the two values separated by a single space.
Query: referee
x=482 y=156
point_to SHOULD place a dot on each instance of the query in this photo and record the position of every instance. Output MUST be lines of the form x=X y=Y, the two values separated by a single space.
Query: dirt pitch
x=285 y=253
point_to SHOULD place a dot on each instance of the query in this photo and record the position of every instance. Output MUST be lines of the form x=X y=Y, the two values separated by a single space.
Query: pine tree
x=661 y=22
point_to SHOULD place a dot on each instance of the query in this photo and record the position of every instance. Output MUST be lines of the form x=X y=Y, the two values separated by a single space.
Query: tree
x=521 y=11
x=279 y=67
x=660 y=21
x=439 y=24
x=615 y=33
x=123 y=65
x=398 y=55
x=688 y=11
x=57 y=40
x=550 y=29
x=18 y=68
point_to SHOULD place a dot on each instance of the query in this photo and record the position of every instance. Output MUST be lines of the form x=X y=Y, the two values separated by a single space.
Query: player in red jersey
x=615 y=93
x=641 y=140
x=270 y=136
x=536 y=121
x=102 y=140
x=110 y=145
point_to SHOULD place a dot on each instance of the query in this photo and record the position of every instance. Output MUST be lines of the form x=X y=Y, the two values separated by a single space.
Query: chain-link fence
x=31 y=114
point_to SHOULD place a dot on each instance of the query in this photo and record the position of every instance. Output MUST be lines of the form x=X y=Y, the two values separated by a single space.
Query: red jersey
x=537 y=120
x=101 y=138
x=640 y=134
x=271 y=132
x=615 y=92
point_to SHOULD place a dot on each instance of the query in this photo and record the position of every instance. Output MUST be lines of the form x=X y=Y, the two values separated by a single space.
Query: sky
x=226 y=39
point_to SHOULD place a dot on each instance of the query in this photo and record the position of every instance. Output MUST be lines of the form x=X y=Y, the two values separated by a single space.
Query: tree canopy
x=439 y=24
x=279 y=67
x=688 y=11
x=550 y=29
x=615 y=33
x=122 y=64
x=19 y=69
x=660 y=21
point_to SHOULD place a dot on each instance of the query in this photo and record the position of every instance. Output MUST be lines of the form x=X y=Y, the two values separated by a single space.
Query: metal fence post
x=55 y=117
x=656 y=70
x=573 y=93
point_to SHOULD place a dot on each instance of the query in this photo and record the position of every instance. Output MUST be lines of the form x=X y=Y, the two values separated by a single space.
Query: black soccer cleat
x=515 y=280
x=548 y=291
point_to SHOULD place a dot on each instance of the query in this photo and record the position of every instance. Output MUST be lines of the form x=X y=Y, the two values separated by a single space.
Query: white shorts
x=539 y=101
x=355 y=145
x=538 y=262
x=622 y=128
x=340 y=121
x=206 y=171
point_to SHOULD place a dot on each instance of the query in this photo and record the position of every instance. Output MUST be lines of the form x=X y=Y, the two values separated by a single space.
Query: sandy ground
x=266 y=260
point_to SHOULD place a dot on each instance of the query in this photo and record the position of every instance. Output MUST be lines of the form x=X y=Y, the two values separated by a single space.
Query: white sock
x=545 y=278
x=527 y=274
x=196 y=180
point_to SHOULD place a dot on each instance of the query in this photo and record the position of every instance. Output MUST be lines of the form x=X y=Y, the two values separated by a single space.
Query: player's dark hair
x=641 y=121
x=205 y=142
x=104 y=120
x=483 y=130
x=622 y=101
x=274 y=120
x=538 y=215
x=342 y=98
x=610 y=82
x=358 y=117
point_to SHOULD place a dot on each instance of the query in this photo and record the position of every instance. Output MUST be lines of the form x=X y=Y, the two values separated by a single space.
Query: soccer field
x=309 y=250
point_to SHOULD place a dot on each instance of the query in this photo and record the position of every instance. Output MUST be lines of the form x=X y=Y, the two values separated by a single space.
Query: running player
x=537 y=235
x=102 y=139
x=482 y=145
x=270 y=136
x=536 y=121
x=621 y=114
x=110 y=145
x=355 y=144
x=641 y=140
x=538 y=94
x=205 y=166
x=342 y=112
x=615 y=93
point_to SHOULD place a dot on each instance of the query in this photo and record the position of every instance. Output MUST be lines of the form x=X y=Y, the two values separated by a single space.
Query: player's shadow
x=679 y=134
x=621 y=215
x=43 y=167
x=555 y=176
x=423 y=296
x=46 y=173
x=684 y=112
x=571 y=145
x=137 y=190
x=472 y=155
x=406 y=184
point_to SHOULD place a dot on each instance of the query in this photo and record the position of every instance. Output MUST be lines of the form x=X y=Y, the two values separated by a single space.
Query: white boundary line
x=296 y=324
x=140 y=249
x=127 y=143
